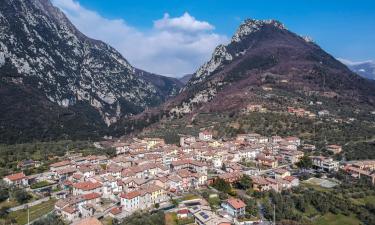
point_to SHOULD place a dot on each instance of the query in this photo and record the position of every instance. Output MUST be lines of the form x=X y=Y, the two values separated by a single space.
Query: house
x=187 y=140
x=276 y=139
x=183 y=213
x=87 y=187
x=358 y=173
x=281 y=173
x=114 y=212
x=324 y=163
x=204 y=216
x=92 y=198
x=293 y=140
x=153 y=142
x=260 y=184
x=231 y=177
x=234 y=207
x=309 y=147
x=323 y=113
x=294 y=182
x=70 y=213
x=28 y=164
x=60 y=165
x=265 y=161
x=335 y=149
x=291 y=156
x=205 y=136
x=135 y=200
x=255 y=108
x=17 y=179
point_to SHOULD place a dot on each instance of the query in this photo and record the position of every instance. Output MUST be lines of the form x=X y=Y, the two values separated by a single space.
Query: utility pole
x=274 y=214
x=28 y=215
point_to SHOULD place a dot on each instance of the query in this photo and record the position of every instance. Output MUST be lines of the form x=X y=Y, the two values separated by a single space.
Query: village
x=148 y=174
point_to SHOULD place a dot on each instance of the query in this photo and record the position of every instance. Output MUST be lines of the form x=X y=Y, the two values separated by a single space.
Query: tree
x=4 y=194
x=139 y=218
x=245 y=182
x=224 y=167
x=49 y=220
x=305 y=162
x=251 y=206
x=4 y=211
x=222 y=185
x=21 y=196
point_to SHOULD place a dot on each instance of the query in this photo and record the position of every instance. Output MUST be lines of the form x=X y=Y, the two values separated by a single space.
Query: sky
x=175 y=37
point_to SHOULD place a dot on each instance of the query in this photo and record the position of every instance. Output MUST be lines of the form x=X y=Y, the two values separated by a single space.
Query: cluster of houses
x=300 y=112
x=364 y=169
x=146 y=173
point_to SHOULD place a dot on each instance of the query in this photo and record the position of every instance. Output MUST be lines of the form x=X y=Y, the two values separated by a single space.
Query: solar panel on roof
x=204 y=215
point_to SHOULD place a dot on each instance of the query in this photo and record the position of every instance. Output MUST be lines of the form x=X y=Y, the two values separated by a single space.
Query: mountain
x=56 y=82
x=185 y=79
x=264 y=61
x=166 y=86
x=365 y=69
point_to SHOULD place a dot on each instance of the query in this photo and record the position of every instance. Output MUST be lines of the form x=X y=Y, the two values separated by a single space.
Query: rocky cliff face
x=43 y=54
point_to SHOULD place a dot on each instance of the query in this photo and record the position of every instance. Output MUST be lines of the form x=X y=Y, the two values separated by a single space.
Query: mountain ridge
x=264 y=59
x=365 y=69
x=42 y=52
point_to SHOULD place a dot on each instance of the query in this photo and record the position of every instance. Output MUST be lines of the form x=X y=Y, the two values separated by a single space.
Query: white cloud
x=173 y=46
x=184 y=23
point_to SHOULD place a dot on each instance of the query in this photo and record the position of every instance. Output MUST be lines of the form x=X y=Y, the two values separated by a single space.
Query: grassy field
x=363 y=201
x=331 y=219
x=314 y=186
x=190 y=197
x=35 y=212
x=9 y=204
x=171 y=218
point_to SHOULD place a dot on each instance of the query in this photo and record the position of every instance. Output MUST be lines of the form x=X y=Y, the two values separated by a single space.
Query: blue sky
x=174 y=37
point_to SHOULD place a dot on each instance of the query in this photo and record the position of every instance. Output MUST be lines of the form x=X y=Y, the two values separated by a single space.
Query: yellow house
x=215 y=144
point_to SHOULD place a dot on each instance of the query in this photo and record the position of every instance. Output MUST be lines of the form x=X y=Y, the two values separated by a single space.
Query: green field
x=35 y=212
x=332 y=219
x=363 y=201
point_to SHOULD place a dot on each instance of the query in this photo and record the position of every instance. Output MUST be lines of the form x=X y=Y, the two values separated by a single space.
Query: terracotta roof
x=115 y=211
x=70 y=210
x=59 y=164
x=91 y=196
x=289 y=178
x=77 y=176
x=16 y=176
x=87 y=185
x=67 y=183
x=130 y=195
x=183 y=211
x=236 y=203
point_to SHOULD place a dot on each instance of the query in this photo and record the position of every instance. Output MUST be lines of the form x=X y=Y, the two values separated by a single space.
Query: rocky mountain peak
x=250 y=26
x=265 y=53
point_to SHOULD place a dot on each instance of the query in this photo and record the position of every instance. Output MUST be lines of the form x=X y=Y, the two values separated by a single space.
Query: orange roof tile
x=16 y=176
x=236 y=203
x=87 y=185
x=91 y=196
x=130 y=195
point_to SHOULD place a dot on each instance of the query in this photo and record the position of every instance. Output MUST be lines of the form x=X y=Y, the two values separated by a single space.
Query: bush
x=139 y=218
x=21 y=196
